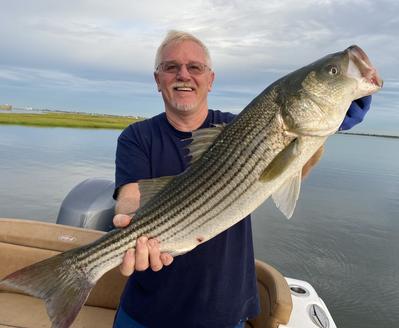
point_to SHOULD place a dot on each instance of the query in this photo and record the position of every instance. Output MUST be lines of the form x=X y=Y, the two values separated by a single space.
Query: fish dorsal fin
x=150 y=187
x=201 y=140
x=287 y=195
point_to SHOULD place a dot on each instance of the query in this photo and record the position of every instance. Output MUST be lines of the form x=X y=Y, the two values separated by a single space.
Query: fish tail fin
x=57 y=281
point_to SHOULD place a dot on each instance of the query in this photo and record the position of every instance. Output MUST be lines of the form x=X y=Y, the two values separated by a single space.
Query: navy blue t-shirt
x=214 y=285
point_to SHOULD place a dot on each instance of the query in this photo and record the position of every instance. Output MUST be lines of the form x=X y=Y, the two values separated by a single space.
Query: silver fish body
x=234 y=169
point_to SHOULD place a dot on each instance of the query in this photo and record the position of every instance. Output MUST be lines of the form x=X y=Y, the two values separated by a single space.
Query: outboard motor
x=89 y=205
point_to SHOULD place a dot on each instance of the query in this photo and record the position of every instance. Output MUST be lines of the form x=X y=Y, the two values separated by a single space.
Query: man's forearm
x=126 y=205
x=128 y=199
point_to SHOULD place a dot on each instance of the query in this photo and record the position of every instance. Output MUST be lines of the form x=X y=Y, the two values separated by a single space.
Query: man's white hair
x=179 y=36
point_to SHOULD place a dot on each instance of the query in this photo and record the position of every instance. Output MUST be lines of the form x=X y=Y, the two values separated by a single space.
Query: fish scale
x=234 y=170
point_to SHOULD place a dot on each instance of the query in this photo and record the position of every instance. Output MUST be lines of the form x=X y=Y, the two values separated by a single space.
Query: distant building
x=6 y=107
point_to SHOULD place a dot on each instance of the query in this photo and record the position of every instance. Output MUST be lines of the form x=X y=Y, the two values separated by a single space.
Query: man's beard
x=184 y=107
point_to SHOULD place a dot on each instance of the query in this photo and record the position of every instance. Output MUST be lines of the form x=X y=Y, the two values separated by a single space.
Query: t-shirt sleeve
x=131 y=161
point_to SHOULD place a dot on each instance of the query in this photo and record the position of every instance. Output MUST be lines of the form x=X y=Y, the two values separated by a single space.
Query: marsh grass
x=70 y=120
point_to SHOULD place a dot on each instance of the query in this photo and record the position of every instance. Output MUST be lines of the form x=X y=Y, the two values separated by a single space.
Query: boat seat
x=275 y=298
x=23 y=242
x=19 y=310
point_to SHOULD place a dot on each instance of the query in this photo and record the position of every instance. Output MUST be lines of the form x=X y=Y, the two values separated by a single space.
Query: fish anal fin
x=182 y=246
x=150 y=187
x=287 y=195
x=202 y=139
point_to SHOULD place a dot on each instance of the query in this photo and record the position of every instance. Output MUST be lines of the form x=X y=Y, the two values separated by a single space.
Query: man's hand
x=356 y=113
x=147 y=252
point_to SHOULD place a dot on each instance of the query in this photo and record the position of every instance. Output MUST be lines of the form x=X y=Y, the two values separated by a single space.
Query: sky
x=98 y=56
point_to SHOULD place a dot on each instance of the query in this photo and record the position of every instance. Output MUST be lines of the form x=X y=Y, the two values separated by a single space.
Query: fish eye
x=333 y=70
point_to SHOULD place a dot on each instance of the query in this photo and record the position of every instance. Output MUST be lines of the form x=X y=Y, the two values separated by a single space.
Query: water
x=343 y=237
x=39 y=166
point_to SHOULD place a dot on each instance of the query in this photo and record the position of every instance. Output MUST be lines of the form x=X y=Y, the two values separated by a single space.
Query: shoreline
x=68 y=120
x=363 y=134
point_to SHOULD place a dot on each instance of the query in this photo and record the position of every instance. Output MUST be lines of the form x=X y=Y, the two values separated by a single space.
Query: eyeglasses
x=171 y=67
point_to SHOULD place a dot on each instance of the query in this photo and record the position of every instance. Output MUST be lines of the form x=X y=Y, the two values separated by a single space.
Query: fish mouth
x=361 y=68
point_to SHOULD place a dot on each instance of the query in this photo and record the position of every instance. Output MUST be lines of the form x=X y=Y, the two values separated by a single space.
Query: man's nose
x=183 y=73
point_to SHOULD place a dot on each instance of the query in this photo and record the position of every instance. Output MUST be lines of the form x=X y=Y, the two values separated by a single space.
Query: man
x=214 y=285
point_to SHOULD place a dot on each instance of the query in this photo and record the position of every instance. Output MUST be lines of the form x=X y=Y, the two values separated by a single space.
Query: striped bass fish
x=233 y=170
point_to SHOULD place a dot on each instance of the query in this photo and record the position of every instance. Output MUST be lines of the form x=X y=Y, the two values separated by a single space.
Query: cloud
x=89 y=44
x=94 y=33
x=51 y=79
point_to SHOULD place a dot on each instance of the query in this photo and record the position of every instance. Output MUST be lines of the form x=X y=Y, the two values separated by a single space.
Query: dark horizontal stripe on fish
x=238 y=183
x=190 y=219
x=235 y=134
x=146 y=224
x=215 y=172
x=161 y=221
x=156 y=220
x=112 y=245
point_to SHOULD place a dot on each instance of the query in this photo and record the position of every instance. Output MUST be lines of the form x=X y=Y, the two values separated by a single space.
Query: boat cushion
x=18 y=310
x=275 y=298
x=24 y=242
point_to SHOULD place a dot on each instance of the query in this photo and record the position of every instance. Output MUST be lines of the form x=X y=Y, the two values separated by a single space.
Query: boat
x=285 y=302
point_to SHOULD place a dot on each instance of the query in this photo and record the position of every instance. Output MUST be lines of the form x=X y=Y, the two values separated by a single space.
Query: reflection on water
x=342 y=237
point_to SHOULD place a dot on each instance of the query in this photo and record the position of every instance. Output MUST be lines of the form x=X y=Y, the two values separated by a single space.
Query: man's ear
x=211 y=79
x=156 y=77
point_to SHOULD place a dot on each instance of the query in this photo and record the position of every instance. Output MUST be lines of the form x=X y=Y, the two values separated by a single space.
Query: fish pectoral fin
x=201 y=141
x=287 y=195
x=281 y=161
x=150 y=187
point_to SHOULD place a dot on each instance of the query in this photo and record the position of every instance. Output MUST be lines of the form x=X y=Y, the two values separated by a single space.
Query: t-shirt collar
x=184 y=134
